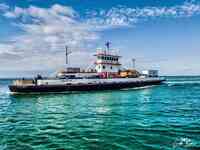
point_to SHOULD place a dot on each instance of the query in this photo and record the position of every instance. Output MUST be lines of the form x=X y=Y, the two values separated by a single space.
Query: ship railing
x=118 y=80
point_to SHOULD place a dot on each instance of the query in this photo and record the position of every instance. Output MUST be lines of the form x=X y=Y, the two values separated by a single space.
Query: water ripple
x=160 y=117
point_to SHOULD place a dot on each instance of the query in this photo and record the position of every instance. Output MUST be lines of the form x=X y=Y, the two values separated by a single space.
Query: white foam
x=138 y=88
x=171 y=83
x=183 y=142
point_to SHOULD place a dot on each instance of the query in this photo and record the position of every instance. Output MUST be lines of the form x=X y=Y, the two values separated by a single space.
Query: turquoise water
x=162 y=117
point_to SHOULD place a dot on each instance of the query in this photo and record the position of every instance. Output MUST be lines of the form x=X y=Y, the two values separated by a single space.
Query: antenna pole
x=133 y=61
x=66 y=48
x=67 y=54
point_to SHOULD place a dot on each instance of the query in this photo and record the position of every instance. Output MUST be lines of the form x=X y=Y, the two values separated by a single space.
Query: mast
x=67 y=52
x=133 y=62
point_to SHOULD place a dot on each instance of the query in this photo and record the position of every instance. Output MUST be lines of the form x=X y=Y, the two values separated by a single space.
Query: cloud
x=46 y=31
x=123 y=16
x=7 y=56
x=3 y=7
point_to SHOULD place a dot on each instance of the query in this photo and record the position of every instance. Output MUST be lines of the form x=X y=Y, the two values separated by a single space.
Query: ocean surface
x=165 y=117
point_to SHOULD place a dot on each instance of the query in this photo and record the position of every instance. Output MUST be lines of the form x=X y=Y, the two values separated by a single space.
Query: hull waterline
x=80 y=87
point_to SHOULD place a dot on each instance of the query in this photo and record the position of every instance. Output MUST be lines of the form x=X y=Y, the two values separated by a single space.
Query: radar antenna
x=108 y=45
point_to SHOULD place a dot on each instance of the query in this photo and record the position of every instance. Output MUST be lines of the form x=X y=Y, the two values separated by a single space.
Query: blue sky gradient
x=160 y=34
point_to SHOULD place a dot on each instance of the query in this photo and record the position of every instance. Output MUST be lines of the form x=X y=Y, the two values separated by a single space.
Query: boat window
x=111 y=67
x=104 y=67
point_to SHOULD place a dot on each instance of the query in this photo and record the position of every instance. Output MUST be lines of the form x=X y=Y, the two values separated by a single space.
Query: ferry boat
x=107 y=74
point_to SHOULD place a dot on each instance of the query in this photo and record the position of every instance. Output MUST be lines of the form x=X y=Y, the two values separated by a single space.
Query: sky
x=159 y=34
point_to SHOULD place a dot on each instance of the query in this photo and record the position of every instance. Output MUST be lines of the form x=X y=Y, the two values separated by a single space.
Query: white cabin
x=106 y=62
x=150 y=73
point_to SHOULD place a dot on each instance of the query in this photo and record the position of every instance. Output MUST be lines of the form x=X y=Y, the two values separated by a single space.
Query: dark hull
x=80 y=87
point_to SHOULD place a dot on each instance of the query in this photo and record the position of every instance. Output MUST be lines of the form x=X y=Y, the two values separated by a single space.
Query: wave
x=138 y=88
x=184 y=142
x=183 y=83
x=4 y=90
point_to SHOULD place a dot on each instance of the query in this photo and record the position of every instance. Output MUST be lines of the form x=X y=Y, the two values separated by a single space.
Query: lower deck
x=83 y=85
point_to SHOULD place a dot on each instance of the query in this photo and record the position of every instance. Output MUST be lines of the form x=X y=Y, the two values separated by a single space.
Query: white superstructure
x=107 y=61
x=150 y=73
